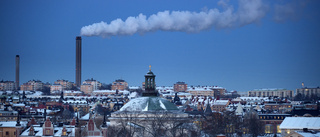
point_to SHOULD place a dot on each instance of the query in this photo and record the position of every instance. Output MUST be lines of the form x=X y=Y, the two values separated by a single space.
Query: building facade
x=272 y=122
x=213 y=91
x=293 y=124
x=95 y=84
x=32 y=85
x=180 y=87
x=308 y=91
x=7 y=85
x=66 y=85
x=86 y=88
x=119 y=85
x=55 y=87
x=271 y=92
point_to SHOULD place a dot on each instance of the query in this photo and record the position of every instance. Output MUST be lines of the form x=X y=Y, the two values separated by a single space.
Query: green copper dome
x=149 y=104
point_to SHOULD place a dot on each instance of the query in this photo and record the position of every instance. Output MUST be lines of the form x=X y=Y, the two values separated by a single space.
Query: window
x=278 y=129
x=267 y=129
x=7 y=133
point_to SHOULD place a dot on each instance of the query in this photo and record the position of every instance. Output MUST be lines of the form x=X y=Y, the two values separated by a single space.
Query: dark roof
x=180 y=82
x=120 y=80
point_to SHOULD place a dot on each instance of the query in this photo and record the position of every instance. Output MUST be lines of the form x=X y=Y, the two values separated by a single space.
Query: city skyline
x=275 y=46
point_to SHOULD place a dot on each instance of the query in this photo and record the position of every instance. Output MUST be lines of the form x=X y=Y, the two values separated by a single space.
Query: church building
x=150 y=115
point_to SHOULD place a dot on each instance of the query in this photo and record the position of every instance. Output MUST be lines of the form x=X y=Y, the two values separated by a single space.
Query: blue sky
x=278 y=49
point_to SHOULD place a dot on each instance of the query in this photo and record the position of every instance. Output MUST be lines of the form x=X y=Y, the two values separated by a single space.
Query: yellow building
x=119 y=85
x=9 y=129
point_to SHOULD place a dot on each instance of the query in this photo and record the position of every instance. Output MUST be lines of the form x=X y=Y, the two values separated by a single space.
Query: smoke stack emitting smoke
x=249 y=11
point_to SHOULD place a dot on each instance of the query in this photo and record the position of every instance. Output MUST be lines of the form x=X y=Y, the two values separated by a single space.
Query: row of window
x=272 y=117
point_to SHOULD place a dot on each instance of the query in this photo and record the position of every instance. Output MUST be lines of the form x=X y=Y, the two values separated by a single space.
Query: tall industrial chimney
x=78 y=61
x=17 y=71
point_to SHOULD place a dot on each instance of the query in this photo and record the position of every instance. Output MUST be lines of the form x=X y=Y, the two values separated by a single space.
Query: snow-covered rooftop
x=148 y=104
x=300 y=123
x=269 y=89
x=12 y=123
x=71 y=91
x=111 y=91
x=85 y=117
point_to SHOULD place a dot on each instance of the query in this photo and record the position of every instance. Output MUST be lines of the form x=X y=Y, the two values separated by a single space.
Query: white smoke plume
x=249 y=11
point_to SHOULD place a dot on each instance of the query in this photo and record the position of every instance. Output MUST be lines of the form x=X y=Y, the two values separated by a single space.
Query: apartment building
x=32 y=85
x=7 y=85
x=305 y=91
x=270 y=92
x=119 y=84
x=180 y=87
x=66 y=85
x=95 y=84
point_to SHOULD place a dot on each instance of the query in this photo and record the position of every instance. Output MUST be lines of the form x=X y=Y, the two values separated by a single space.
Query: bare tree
x=154 y=124
x=127 y=124
x=252 y=124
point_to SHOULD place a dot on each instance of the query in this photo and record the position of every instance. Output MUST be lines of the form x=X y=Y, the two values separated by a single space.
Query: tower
x=104 y=126
x=47 y=128
x=17 y=71
x=18 y=125
x=78 y=61
x=150 y=84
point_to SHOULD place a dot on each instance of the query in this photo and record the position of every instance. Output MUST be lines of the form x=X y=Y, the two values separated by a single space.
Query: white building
x=291 y=124
x=270 y=92
x=95 y=84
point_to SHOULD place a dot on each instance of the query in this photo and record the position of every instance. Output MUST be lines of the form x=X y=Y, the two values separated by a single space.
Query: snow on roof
x=254 y=98
x=308 y=134
x=236 y=99
x=178 y=93
x=39 y=131
x=199 y=89
x=162 y=105
x=70 y=101
x=300 y=123
x=269 y=89
x=85 y=117
x=18 y=105
x=42 y=111
x=220 y=102
x=164 y=88
x=239 y=110
x=26 y=92
x=112 y=91
x=147 y=104
x=204 y=88
x=35 y=94
x=71 y=91
x=12 y=123
x=133 y=95
x=134 y=87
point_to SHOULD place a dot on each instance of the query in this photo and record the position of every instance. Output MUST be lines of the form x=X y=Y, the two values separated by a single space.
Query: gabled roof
x=208 y=110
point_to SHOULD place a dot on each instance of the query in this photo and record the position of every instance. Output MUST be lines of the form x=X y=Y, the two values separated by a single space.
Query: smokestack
x=78 y=61
x=17 y=71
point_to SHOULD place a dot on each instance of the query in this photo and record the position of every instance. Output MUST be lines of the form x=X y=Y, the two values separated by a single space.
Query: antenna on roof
x=149 y=67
